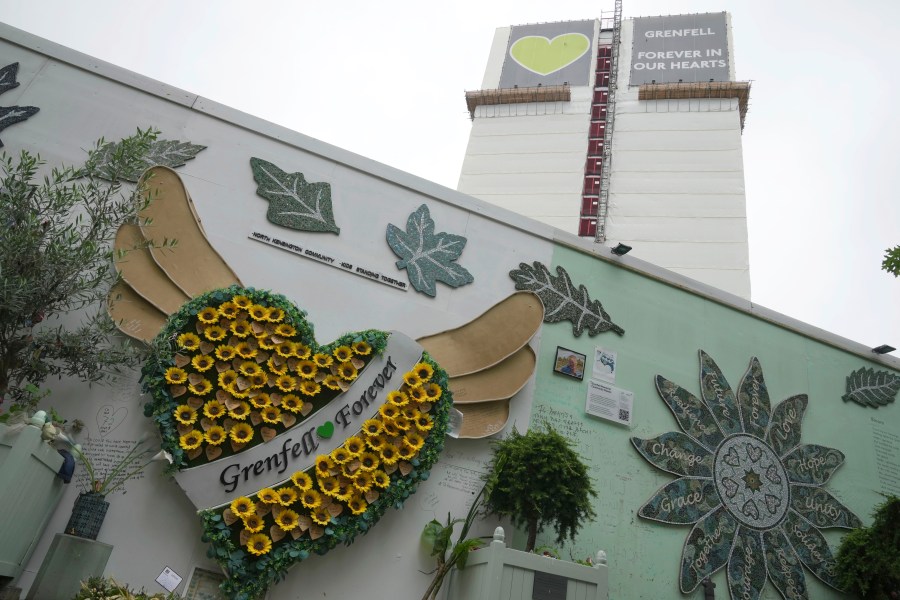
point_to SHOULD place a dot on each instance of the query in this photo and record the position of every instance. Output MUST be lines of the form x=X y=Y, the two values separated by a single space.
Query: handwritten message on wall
x=105 y=455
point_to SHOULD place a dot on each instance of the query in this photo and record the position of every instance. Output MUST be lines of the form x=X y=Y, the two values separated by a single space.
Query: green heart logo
x=325 y=431
x=544 y=56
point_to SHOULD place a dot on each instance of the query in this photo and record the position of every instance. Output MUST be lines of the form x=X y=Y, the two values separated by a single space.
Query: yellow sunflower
x=368 y=461
x=285 y=383
x=412 y=379
x=410 y=412
x=397 y=398
x=225 y=352
x=285 y=349
x=185 y=415
x=390 y=428
x=188 y=341
x=321 y=516
x=214 y=333
x=240 y=411
x=275 y=367
x=227 y=378
x=381 y=479
x=389 y=454
x=309 y=388
x=376 y=442
x=292 y=403
x=253 y=523
x=302 y=351
x=416 y=393
x=402 y=423
x=215 y=435
x=354 y=445
x=423 y=423
x=362 y=348
x=264 y=341
x=286 y=496
x=229 y=310
x=208 y=315
x=340 y=455
x=240 y=328
x=332 y=382
x=213 y=409
x=201 y=388
x=424 y=371
x=175 y=375
x=371 y=427
x=405 y=451
x=388 y=411
x=259 y=544
x=363 y=481
x=324 y=465
x=202 y=362
x=241 y=433
x=311 y=499
x=356 y=505
x=287 y=519
x=302 y=480
x=432 y=391
x=271 y=414
x=245 y=350
x=258 y=380
x=243 y=505
x=242 y=301
x=329 y=485
x=276 y=315
x=415 y=440
x=258 y=312
x=191 y=440
x=347 y=371
x=323 y=360
x=260 y=400
x=285 y=330
x=267 y=496
x=306 y=369
x=342 y=353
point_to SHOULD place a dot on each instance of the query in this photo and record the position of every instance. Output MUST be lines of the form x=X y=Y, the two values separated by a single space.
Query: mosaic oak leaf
x=563 y=301
x=752 y=492
x=12 y=114
x=868 y=387
x=293 y=201
x=428 y=257
x=166 y=153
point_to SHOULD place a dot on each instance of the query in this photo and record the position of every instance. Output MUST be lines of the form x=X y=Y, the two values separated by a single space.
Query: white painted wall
x=153 y=525
x=677 y=192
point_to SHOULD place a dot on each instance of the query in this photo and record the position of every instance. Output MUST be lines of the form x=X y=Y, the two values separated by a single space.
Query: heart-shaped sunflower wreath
x=287 y=447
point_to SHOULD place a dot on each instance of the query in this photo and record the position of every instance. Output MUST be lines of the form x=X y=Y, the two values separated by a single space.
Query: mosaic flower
x=752 y=491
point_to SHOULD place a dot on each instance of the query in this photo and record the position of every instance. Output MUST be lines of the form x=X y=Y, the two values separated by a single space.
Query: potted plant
x=536 y=480
x=868 y=559
x=91 y=505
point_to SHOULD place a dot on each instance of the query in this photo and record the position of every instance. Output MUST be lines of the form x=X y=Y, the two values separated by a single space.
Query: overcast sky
x=386 y=80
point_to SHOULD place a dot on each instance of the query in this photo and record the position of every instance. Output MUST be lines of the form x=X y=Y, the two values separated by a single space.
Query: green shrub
x=868 y=559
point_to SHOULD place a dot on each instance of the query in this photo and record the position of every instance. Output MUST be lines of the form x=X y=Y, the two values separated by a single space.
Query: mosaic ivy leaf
x=682 y=501
x=753 y=400
x=868 y=387
x=293 y=201
x=563 y=301
x=813 y=464
x=12 y=114
x=785 y=569
x=820 y=508
x=784 y=428
x=706 y=548
x=812 y=549
x=693 y=416
x=428 y=257
x=167 y=153
x=718 y=396
x=747 y=570
x=676 y=453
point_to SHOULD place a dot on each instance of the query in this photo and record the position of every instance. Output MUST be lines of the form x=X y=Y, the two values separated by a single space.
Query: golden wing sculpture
x=488 y=359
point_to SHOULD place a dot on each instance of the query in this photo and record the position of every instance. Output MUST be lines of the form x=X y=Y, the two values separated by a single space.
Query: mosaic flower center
x=751 y=481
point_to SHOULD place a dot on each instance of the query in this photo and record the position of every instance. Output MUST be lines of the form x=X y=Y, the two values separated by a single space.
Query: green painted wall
x=664 y=329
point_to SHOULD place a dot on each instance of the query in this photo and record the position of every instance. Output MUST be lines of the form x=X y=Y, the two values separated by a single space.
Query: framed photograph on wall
x=203 y=584
x=569 y=363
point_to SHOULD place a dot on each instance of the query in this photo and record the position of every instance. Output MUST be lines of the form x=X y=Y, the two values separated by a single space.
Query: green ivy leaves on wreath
x=428 y=257
x=868 y=387
x=293 y=201
x=563 y=301
x=12 y=114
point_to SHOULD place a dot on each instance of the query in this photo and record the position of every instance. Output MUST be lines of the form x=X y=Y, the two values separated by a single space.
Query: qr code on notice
x=624 y=415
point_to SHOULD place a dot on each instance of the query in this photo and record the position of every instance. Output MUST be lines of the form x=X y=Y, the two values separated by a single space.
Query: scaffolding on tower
x=606 y=164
